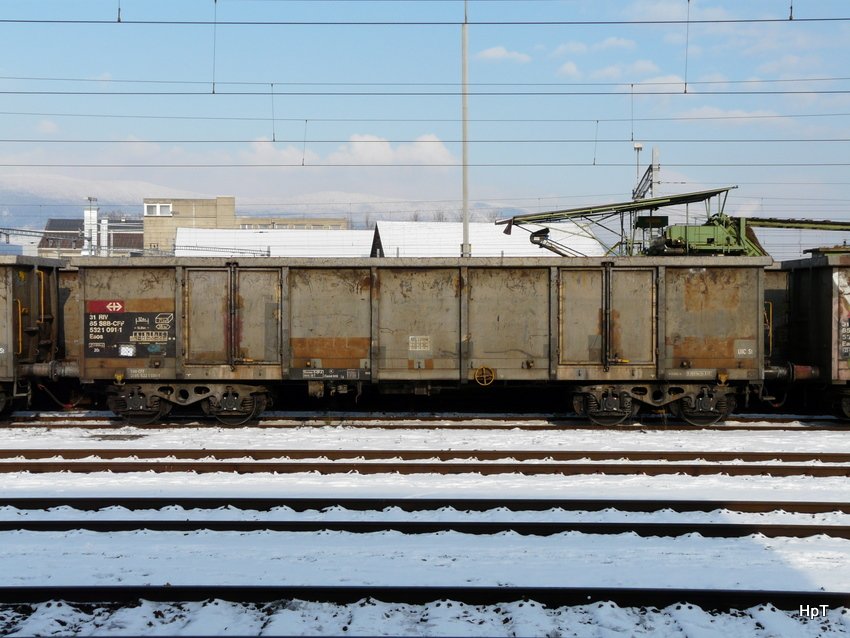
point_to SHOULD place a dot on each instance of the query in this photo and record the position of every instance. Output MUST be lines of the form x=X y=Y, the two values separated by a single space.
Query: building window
x=157 y=210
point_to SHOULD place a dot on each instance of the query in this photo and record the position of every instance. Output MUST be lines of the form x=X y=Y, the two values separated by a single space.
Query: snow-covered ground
x=454 y=438
x=447 y=558
x=446 y=514
x=372 y=618
x=450 y=558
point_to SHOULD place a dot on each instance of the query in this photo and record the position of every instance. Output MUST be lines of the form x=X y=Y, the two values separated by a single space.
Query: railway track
x=424 y=504
x=382 y=420
x=24 y=599
x=192 y=523
x=707 y=599
x=671 y=530
x=287 y=461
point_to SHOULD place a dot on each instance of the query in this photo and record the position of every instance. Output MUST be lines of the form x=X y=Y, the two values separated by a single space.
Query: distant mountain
x=28 y=201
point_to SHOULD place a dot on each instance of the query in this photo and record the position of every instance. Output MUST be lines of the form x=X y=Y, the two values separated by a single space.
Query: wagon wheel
x=843 y=408
x=158 y=410
x=612 y=418
x=608 y=419
x=599 y=415
x=249 y=408
x=703 y=418
x=484 y=376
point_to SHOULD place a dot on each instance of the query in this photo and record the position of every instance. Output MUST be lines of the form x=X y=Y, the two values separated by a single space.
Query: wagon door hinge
x=232 y=298
x=606 y=315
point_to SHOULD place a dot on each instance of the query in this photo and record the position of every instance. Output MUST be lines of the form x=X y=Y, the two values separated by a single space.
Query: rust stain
x=616 y=335
x=712 y=289
x=157 y=304
x=428 y=364
x=706 y=352
x=335 y=352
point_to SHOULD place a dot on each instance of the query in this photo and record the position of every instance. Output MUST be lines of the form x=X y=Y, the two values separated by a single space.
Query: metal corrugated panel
x=443 y=239
x=200 y=242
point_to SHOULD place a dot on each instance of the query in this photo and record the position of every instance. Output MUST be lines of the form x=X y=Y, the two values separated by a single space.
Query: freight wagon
x=817 y=294
x=29 y=325
x=609 y=335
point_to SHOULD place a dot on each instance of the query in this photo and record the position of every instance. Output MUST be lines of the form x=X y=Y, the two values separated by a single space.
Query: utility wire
x=392 y=120
x=650 y=92
x=305 y=140
x=316 y=83
x=418 y=23
x=195 y=165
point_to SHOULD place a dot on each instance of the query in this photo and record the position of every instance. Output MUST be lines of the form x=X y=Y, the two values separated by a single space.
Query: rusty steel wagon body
x=684 y=334
x=29 y=325
x=817 y=295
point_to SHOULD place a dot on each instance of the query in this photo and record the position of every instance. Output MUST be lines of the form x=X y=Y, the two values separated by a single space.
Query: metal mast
x=465 y=248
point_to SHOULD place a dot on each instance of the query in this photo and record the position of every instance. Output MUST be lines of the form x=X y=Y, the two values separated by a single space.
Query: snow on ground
x=570 y=559
x=454 y=438
x=446 y=514
x=440 y=559
x=443 y=618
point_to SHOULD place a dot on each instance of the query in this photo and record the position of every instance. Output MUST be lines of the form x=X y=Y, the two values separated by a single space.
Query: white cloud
x=569 y=70
x=578 y=48
x=616 y=71
x=787 y=63
x=47 y=127
x=613 y=72
x=641 y=67
x=371 y=149
x=501 y=53
x=614 y=43
x=570 y=48
x=675 y=38
x=657 y=10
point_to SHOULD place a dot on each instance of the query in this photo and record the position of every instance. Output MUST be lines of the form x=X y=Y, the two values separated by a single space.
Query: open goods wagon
x=29 y=324
x=817 y=290
x=610 y=334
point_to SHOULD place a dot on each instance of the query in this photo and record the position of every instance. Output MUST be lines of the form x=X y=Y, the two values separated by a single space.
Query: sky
x=352 y=106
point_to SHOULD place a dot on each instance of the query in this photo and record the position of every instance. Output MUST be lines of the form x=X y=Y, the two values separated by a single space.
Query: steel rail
x=442 y=455
x=87 y=503
x=707 y=599
x=444 y=468
x=429 y=421
x=547 y=528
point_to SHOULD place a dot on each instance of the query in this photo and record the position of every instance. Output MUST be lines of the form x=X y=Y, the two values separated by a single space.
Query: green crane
x=720 y=234
x=725 y=234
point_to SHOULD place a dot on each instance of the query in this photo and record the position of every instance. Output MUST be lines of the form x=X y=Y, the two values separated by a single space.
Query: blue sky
x=560 y=91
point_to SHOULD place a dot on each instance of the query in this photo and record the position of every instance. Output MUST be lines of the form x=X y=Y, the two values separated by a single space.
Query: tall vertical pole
x=465 y=248
x=656 y=169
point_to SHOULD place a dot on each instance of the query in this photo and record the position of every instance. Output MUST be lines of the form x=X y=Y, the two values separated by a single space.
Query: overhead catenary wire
x=418 y=94
x=420 y=165
x=380 y=140
x=393 y=120
x=263 y=83
x=418 y=23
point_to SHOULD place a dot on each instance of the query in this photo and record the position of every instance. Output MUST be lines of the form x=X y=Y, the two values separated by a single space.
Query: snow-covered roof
x=396 y=239
x=215 y=242
x=443 y=239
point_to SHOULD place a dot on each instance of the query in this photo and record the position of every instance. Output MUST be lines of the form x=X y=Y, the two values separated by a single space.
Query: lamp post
x=638 y=149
